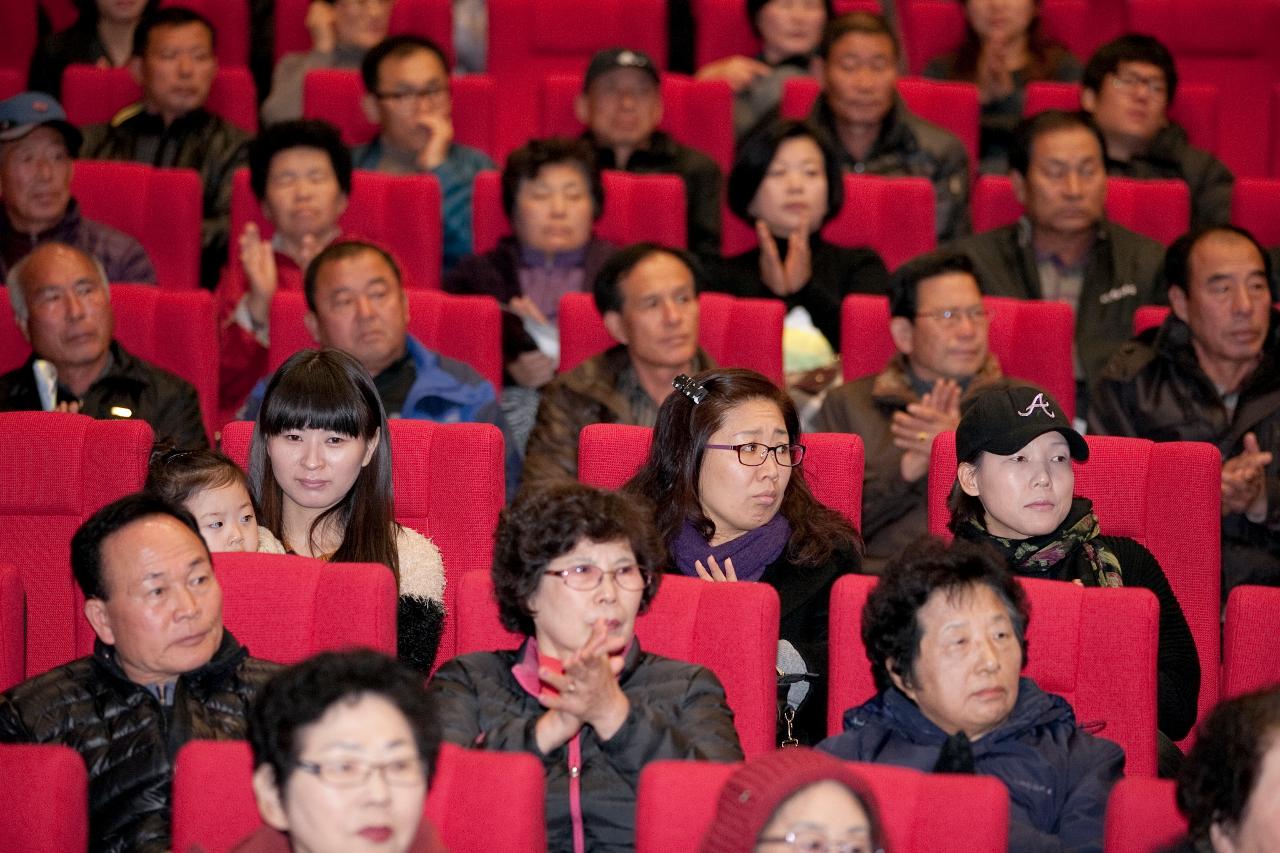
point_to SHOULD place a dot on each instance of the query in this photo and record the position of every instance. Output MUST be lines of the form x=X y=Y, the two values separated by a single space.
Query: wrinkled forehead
x=151 y=546
x=1224 y=254
x=58 y=266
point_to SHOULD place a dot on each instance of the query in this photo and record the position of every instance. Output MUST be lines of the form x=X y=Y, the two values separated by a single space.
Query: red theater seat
x=1249 y=661
x=214 y=807
x=866 y=346
x=432 y=19
x=45 y=791
x=1164 y=495
x=1195 y=107
x=731 y=629
x=18 y=23
x=1255 y=205
x=92 y=95
x=1143 y=816
x=13 y=645
x=12 y=81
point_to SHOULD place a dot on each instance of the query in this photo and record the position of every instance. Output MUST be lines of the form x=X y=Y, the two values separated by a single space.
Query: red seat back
x=13 y=645
x=12 y=81
x=1143 y=816
x=866 y=345
x=610 y=454
x=92 y=95
x=214 y=806
x=230 y=22
x=1255 y=205
x=1065 y=620
x=636 y=207
x=1159 y=209
x=160 y=208
x=452 y=499
x=18 y=23
x=45 y=789
x=398 y=212
x=734 y=332
x=931 y=28
x=431 y=19
x=1148 y=317
x=1195 y=107
x=1164 y=495
x=1248 y=644
x=57 y=471
x=920 y=812
x=731 y=629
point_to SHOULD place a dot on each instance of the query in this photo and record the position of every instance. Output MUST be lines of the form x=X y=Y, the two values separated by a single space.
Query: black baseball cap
x=1004 y=420
x=618 y=57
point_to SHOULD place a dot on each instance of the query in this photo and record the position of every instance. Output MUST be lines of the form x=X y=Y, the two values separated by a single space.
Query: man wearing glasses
x=939 y=326
x=406 y=79
x=1128 y=88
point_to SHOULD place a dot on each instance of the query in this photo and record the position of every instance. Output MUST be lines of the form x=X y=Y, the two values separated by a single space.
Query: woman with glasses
x=733 y=505
x=320 y=469
x=344 y=745
x=572 y=568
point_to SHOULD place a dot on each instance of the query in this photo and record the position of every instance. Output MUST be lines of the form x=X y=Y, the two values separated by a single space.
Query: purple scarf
x=752 y=552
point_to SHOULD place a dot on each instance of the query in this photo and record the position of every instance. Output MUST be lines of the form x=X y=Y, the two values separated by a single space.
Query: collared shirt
x=394 y=382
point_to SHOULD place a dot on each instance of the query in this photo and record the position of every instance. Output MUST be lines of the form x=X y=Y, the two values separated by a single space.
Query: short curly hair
x=544 y=523
x=1223 y=767
x=890 y=619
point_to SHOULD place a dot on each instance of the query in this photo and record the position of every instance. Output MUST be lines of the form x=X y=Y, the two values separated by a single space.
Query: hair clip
x=695 y=391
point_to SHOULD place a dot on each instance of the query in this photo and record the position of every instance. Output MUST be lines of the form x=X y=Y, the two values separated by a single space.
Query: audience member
x=1129 y=86
x=1064 y=248
x=37 y=147
x=621 y=105
x=341 y=32
x=1210 y=373
x=1004 y=49
x=174 y=61
x=321 y=731
x=215 y=491
x=797 y=797
x=163 y=670
x=1229 y=786
x=552 y=194
x=745 y=513
x=102 y=35
x=320 y=468
x=1015 y=492
x=62 y=304
x=789 y=32
x=572 y=568
x=786 y=184
x=876 y=133
x=406 y=81
x=945 y=631
x=939 y=327
x=648 y=297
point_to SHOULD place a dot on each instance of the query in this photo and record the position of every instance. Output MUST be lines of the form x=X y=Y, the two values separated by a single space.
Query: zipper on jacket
x=575 y=794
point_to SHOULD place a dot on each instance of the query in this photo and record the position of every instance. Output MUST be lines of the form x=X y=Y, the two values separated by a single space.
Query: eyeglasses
x=401 y=772
x=366 y=4
x=433 y=94
x=812 y=841
x=1130 y=82
x=950 y=316
x=588 y=577
x=754 y=453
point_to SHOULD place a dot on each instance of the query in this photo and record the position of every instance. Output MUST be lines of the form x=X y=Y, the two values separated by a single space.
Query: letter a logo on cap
x=1038 y=403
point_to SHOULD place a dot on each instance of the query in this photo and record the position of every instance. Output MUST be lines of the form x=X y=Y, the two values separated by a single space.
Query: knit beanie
x=762 y=784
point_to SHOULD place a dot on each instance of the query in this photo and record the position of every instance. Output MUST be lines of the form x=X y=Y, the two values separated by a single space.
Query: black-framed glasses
x=432 y=94
x=588 y=577
x=350 y=773
x=813 y=841
x=754 y=453
x=950 y=316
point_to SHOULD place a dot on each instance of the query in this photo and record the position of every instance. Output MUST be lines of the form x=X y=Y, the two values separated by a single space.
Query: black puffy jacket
x=127 y=738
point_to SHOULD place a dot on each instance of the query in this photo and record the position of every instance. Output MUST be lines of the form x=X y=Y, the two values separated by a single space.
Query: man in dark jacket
x=1063 y=248
x=174 y=61
x=621 y=105
x=1211 y=373
x=163 y=670
x=37 y=147
x=873 y=129
x=1128 y=86
x=62 y=304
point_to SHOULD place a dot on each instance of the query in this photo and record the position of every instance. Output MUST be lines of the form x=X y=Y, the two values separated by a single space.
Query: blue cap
x=26 y=111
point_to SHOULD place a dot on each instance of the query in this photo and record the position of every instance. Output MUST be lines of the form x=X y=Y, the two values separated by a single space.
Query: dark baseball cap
x=1006 y=419
x=618 y=57
x=24 y=112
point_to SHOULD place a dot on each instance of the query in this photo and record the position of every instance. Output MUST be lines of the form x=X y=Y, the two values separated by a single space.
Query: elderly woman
x=794 y=799
x=733 y=505
x=1230 y=785
x=945 y=631
x=343 y=748
x=552 y=194
x=789 y=32
x=1015 y=491
x=786 y=184
x=573 y=567
x=1004 y=49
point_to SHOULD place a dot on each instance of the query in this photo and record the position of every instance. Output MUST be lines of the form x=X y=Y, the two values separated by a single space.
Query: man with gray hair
x=62 y=304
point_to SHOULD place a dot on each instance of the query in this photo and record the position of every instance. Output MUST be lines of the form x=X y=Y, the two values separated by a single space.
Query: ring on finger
x=922 y=436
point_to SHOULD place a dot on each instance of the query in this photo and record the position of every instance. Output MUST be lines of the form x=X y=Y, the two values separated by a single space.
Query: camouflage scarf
x=1074 y=539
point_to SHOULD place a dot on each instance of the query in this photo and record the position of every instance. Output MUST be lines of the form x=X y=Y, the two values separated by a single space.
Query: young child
x=214 y=490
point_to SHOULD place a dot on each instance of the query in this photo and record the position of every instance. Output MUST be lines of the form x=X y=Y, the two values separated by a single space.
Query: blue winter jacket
x=1058 y=775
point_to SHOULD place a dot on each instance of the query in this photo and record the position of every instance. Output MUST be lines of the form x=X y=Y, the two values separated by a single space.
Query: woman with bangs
x=320 y=467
